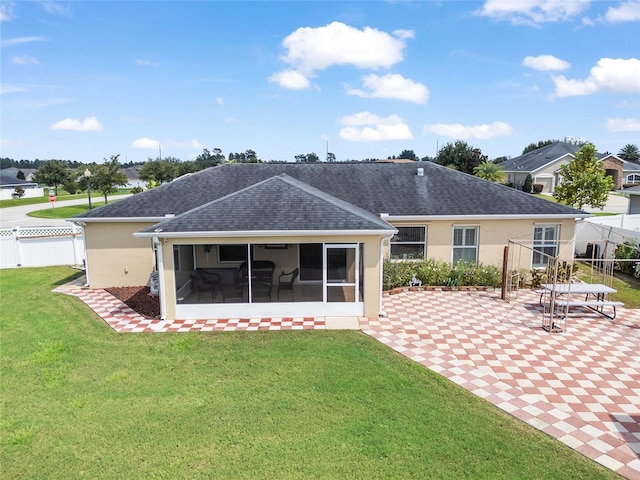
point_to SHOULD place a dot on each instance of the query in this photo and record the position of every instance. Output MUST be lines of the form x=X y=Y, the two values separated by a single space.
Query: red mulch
x=138 y=299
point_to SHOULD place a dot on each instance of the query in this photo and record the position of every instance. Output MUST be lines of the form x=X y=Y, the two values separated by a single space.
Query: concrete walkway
x=581 y=387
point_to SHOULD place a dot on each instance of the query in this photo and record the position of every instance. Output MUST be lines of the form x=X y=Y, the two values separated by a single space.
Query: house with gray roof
x=282 y=239
x=543 y=164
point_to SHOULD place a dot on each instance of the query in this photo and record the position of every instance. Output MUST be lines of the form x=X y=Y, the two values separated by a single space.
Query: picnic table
x=567 y=295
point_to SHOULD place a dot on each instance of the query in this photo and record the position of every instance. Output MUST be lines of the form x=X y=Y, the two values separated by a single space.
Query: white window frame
x=423 y=243
x=464 y=246
x=636 y=178
x=539 y=245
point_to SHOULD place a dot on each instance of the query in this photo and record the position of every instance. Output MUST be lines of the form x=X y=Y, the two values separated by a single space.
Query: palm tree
x=490 y=171
x=630 y=153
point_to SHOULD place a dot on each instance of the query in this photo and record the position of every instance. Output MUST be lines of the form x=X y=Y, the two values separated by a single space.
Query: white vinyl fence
x=41 y=246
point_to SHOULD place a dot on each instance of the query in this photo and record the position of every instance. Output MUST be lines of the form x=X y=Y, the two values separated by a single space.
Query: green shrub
x=438 y=273
x=135 y=190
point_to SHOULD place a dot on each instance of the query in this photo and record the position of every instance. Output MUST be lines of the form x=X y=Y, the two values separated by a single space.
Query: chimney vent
x=421 y=172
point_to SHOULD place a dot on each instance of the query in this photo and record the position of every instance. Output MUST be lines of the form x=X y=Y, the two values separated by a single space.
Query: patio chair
x=199 y=286
x=211 y=280
x=286 y=284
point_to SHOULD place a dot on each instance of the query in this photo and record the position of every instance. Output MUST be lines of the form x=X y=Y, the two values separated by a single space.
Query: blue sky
x=87 y=80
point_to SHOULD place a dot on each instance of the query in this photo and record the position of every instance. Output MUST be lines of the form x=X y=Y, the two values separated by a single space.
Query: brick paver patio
x=581 y=386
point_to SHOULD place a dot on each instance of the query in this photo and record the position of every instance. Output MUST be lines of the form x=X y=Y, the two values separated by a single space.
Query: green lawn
x=79 y=400
x=64 y=212
x=62 y=195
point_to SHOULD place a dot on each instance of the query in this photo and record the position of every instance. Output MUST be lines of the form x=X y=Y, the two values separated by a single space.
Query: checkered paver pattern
x=581 y=386
x=123 y=319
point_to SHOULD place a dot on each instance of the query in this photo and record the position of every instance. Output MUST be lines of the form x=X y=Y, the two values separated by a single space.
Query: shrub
x=18 y=192
x=528 y=182
x=135 y=190
x=537 y=188
x=438 y=273
x=71 y=186
x=626 y=251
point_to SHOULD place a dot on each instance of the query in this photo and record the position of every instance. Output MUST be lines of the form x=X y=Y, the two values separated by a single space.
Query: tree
x=528 y=183
x=156 y=172
x=331 y=157
x=18 y=192
x=490 y=171
x=251 y=157
x=308 y=158
x=20 y=175
x=630 y=153
x=460 y=156
x=107 y=177
x=409 y=155
x=585 y=180
x=209 y=159
x=534 y=146
x=53 y=173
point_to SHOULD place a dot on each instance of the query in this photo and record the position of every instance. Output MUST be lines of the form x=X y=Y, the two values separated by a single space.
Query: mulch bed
x=139 y=299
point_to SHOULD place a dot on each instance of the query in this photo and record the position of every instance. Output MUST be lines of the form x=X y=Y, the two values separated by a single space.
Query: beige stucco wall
x=115 y=258
x=493 y=236
x=284 y=260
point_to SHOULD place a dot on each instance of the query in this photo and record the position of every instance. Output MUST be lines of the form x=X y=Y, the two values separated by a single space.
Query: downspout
x=381 y=310
x=163 y=307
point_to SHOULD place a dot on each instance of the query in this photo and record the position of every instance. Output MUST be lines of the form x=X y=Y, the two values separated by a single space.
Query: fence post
x=16 y=244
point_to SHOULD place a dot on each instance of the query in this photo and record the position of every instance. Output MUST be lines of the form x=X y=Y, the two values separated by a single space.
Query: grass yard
x=64 y=212
x=79 y=400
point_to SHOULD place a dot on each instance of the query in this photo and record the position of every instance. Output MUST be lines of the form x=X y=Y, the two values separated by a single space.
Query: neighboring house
x=331 y=224
x=631 y=171
x=634 y=199
x=8 y=186
x=543 y=164
x=133 y=177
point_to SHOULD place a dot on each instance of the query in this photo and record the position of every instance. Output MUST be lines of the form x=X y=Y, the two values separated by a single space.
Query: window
x=231 y=253
x=633 y=178
x=545 y=244
x=465 y=244
x=409 y=243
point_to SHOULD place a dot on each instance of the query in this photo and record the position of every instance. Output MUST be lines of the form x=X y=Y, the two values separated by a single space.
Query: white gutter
x=381 y=310
x=160 y=262
x=418 y=218
x=262 y=233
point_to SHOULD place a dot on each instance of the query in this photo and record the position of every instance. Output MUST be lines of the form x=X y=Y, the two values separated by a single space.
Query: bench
x=596 y=305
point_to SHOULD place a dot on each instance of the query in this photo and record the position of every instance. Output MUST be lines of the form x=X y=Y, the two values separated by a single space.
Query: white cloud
x=5 y=142
x=89 y=124
x=145 y=143
x=11 y=89
x=545 y=63
x=21 y=41
x=6 y=11
x=533 y=12
x=141 y=62
x=25 y=60
x=614 y=75
x=625 y=12
x=290 y=79
x=309 y=50
x=220 y=101
x=623 y=124
x=462 y=132
x=367 y=127
x=392 y=86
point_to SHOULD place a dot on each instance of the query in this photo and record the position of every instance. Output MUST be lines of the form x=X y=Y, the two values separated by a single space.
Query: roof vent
x=420 y=172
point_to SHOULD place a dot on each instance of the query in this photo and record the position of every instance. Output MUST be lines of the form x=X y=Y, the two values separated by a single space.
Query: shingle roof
x=532 y=161
x=279 y=203
x=393 y=188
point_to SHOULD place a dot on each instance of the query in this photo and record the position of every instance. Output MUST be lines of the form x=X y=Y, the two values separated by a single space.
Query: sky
x=85 y=80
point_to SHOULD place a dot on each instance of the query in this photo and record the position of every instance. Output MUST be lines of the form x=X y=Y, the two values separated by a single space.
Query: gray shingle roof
x=393 y=188
x=532 y=161
x=277 y=204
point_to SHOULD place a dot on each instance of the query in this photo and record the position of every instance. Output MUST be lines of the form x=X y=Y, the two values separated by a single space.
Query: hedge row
x=438 y=273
